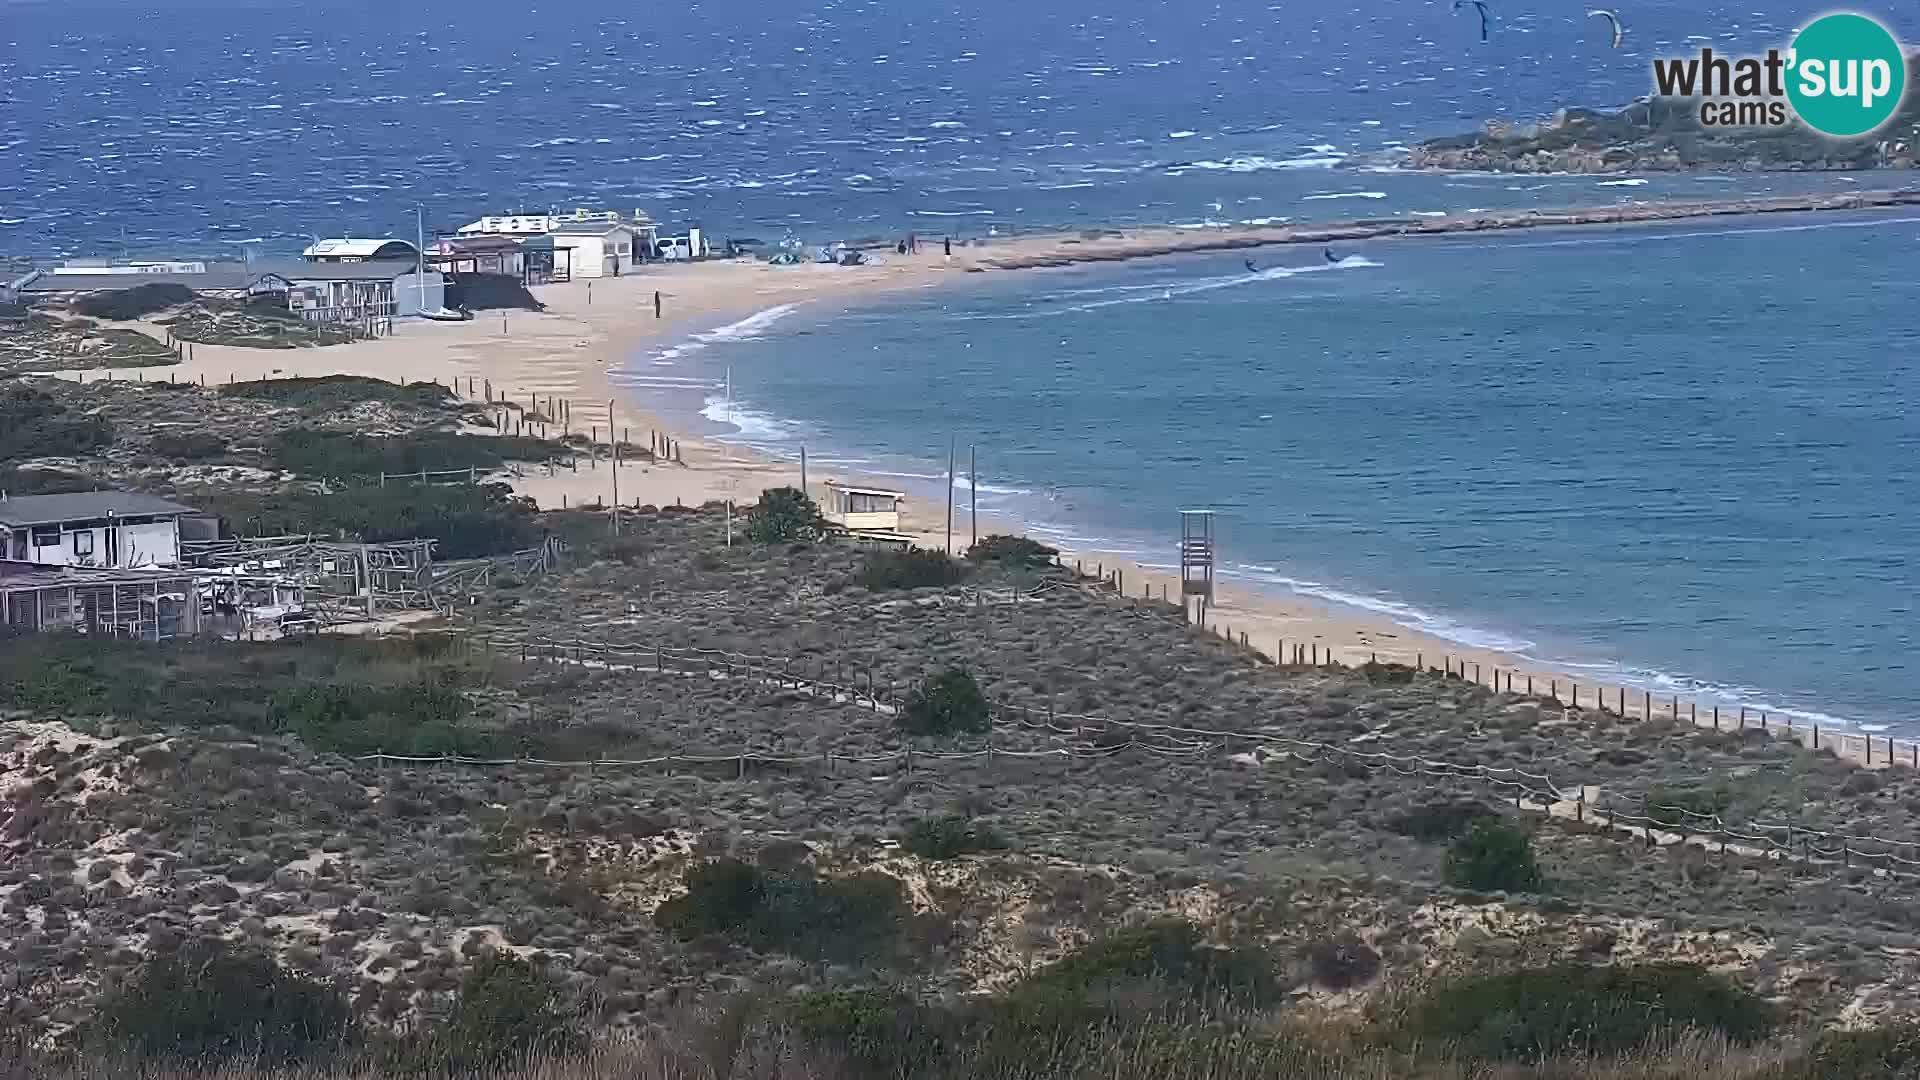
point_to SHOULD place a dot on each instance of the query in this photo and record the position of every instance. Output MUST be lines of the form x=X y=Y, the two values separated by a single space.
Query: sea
x=1680 y=458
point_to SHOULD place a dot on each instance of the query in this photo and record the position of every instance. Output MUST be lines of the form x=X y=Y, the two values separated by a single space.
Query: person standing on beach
x=913 y=244
x=948 y=242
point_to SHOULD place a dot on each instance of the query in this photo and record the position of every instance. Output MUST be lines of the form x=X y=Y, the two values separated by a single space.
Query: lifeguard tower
x=865 y=513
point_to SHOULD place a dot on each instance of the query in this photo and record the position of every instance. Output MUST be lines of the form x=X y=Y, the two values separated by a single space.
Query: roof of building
x=579 y=220
x=476 y=242
x=20 y=511
x=222 y=279
x=856 y=490
x=352 y=247
x=297 y=270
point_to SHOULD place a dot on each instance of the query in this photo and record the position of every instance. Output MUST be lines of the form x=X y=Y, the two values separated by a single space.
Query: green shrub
x=1343 y=962
x=466 y=520
x=14 y=481
x=1577 y=1008
x=1172 y=952
x=883 y=1034
x=1012 y=551
x=507 y=1009
x=949 y=702
x=1493 y=857
x=850 y=919
x=207 y=1002
x=1889 y=1053
x=134 y=303
x=915 y=568
x=783 y=515
x=1441 y=820
x=348 y=455
x=339 y=391
x=187 y=445
x=1688 y=807
x=36 y=424
x=950 y=836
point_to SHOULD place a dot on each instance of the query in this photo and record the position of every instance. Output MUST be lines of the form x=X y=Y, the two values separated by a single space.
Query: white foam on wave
x=1401 y=614
x=750 y=425
x=1165 y=291
x=1634 y=182
x=1344 y=195
x=746 y=329
x=1254 y=163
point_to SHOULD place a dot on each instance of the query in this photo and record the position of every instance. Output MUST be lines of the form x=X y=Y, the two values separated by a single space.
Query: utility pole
x=973 y=495
x=950 y=447
x=615 y=440
x=803 y=470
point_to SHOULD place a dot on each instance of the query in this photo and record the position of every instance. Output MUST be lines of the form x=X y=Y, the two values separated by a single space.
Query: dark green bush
x=915 y=568
x=134 y=303
x=849 y=919
x=36 y=424
x=507 y=1009
x=783 y=515
x=950 y=836
x=1441 y=820
x=208 y=1002
x=1170 y=951
x=1012 y=551
x=187 y=445
x=346 y=455
x=1577 y=1008
x=1342 y=962
x=949 y=702
x=883 y=1034
x=341 y=695
x=1688 y=807
x=1493 y=857
x=15 y=481
x=466 y=520
x=1387 y=674
x=339 y=391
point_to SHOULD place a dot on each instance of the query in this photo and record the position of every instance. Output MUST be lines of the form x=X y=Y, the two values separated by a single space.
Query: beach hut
x=863 y=509
x=352 y=250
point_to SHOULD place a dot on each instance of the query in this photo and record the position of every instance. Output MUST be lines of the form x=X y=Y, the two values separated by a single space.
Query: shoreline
x=594 y=332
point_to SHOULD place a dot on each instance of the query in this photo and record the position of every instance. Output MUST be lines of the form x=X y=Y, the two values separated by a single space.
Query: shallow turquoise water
x=1687 y=457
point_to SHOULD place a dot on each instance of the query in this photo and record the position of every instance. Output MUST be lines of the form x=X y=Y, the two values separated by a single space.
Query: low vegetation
x=915 y=568
x=784 y=515
x=340 y=391
x=853 y=919
x=1537 y=1013
x=34 y=424
x=187 y=445
x=135 y=303
x=949 y=836
x=949 y=703
x=345 y=455
x=464 y=520
x=1012 y=551
x=1492 y=856
x=211 y=1002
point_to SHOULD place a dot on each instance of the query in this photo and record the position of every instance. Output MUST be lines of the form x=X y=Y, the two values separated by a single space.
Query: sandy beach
x=568 y=352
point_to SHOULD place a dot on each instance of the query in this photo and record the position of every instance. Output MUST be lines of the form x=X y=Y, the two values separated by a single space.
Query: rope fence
x=1593 y=805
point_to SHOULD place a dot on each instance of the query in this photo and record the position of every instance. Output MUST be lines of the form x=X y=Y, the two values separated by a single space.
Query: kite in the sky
x=1479 y=5
x=1612 y=18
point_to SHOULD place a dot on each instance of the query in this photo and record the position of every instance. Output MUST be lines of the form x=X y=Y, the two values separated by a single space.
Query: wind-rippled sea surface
x=1686 y=459
x=180 y=127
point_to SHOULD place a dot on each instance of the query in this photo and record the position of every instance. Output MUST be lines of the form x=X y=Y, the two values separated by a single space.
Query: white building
x=101 y=529
x=585 y=243
x=350 y=250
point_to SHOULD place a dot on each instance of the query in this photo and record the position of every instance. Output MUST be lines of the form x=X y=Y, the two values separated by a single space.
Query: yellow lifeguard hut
x=864 y=512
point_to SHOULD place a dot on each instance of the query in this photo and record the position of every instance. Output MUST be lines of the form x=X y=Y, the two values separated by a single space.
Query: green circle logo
x=1845 y=75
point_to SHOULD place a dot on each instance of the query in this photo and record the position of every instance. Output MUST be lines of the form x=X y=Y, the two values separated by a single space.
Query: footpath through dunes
x=1095 y=246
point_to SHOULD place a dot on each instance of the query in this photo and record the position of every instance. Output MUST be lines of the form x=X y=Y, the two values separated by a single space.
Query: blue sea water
x=1686 y=459
x=171 y=126
x=1682 y=458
